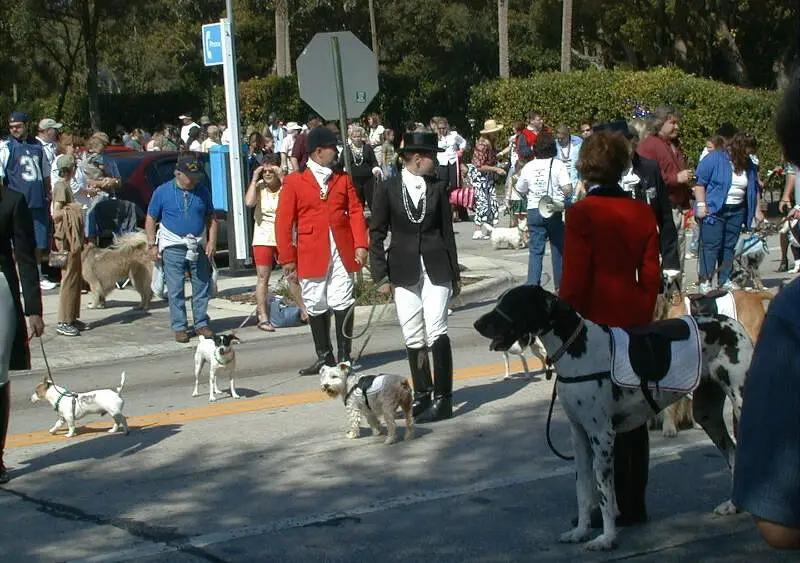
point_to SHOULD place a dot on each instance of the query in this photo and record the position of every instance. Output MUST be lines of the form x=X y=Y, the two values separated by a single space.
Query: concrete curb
x=94 y=352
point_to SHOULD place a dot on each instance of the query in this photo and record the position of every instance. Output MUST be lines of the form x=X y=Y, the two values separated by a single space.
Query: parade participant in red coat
x=322 y=207
x=612 y=276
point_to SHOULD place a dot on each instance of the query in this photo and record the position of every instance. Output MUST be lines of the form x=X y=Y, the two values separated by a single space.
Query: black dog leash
x=547 y=426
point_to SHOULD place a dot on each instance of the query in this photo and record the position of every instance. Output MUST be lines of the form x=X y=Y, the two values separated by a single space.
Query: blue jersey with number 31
x=23 y=171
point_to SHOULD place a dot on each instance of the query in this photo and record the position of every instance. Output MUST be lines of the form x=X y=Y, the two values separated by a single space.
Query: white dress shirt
x=414 y=185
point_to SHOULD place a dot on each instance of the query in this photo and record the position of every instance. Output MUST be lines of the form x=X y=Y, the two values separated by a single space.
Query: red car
x=142 y=172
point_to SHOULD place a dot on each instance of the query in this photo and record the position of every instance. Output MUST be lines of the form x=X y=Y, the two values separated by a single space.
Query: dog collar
x=220 y=361
x=550 y=361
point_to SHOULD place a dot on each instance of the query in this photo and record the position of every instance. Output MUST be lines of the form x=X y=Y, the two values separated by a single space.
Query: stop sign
x=317 y=78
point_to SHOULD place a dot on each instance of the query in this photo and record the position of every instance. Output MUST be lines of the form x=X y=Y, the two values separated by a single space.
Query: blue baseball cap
x=18 y=117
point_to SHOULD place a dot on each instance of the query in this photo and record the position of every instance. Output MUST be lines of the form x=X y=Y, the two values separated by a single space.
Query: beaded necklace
x=407 y=206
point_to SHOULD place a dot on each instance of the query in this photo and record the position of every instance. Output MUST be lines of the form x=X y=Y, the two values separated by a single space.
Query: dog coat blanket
x=370 y=385
x=721 y=303
x=665 y=355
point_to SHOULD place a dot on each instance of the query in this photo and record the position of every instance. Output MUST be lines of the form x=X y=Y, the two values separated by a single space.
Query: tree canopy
x=60 y=54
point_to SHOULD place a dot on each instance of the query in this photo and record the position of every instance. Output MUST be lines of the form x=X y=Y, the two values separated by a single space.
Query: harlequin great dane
x=581 y=354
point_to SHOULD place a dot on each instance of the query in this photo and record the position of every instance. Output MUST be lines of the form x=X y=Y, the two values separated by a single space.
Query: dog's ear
x=235 y=339
x=345 y=366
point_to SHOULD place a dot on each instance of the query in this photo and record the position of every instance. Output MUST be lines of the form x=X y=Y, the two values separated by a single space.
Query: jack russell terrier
x=218 y=353
x=73 y=406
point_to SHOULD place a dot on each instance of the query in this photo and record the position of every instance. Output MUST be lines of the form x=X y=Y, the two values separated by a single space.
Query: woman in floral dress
x=484 y=161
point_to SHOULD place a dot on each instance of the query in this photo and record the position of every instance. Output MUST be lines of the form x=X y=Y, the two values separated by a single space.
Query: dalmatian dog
x=597 y=408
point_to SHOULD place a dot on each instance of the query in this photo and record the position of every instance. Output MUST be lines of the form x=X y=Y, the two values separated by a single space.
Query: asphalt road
x=271 y=477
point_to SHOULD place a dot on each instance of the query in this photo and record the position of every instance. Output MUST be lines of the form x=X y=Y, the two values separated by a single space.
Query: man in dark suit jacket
x=422 y=265
x=16 y=228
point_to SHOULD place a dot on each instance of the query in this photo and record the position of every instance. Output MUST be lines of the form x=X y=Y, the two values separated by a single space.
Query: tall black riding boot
x=631 y=467
x=321 y=333
x=344 y=333
x=442 y=406
x=5 y=412
x=421 y=376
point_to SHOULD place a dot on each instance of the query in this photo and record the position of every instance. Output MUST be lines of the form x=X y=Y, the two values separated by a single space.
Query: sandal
x=266 y=327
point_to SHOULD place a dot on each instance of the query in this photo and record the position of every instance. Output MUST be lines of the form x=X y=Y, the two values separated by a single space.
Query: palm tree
x=283 y=67
x=373 y=28
x=502 y=29
x=566 y=36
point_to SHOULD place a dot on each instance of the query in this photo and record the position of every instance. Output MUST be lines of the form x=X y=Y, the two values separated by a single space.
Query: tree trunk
x=90 y=19
x=733 y=54
x=281 y=39
x=566 y=37
x=288 y=36
x=502 y=29
x=373 y=28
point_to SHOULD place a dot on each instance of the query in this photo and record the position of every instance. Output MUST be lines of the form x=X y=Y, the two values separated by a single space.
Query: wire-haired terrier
x=371 y=396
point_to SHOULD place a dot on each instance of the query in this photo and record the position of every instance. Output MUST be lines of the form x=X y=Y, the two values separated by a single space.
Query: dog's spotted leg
x=708 y=405
x=57 y=426
x=354 y=420
x=508 y=369
x=584 y=486
x=602 y=450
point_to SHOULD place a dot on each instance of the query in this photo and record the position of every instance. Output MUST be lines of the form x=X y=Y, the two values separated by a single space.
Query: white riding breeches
x=422 y=311
x=334 y=291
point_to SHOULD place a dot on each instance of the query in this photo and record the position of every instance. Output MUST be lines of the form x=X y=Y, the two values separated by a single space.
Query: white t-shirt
x=206 y=145
x=541 y=177
x=264 y=217
x=185 y=130
x=196 y=146
x=738 y=189
x=451 y=143
x=287 y=144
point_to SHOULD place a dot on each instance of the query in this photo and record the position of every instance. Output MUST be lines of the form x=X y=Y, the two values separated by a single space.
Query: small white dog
x=371 y=396
x=509 y=237
x=73 y=406
x=218 y=353
x=518 y=349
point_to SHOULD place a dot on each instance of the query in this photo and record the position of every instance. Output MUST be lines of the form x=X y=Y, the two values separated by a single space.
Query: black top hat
x=420 y=141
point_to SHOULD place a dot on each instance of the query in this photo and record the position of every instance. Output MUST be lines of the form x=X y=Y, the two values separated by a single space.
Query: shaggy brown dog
x=126 y=258
x=750 y=313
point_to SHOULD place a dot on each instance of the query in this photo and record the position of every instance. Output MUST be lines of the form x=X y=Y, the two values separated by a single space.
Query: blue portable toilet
x=220 y=176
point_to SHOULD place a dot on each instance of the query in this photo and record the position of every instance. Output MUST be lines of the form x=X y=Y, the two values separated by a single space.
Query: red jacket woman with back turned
x=612 y=276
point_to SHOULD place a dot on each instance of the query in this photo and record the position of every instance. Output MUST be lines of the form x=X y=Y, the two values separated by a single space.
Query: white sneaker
x=730 y=286
x=704 y=287
x=47 y=285
x=477 y=235
x=796 y=268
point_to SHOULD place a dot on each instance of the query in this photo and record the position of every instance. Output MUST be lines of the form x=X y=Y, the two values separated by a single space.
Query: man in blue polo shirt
x=186 y=240
x=23 y=169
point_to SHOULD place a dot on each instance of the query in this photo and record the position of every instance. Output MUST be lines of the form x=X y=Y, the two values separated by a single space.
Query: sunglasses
x=585 y=130
x=16 y=125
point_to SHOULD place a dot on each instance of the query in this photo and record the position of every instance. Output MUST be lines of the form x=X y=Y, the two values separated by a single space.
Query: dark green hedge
x=608 y=95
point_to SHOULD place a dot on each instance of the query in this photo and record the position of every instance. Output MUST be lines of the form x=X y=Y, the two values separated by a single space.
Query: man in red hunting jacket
x=322 y=208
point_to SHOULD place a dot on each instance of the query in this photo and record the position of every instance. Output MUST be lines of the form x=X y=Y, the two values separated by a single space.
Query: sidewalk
x=120 y=332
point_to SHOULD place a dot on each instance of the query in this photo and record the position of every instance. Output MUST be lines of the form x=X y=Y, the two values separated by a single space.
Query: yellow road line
x=234 y=407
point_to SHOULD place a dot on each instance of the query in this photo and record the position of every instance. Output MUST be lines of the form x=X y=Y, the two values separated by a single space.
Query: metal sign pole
x=236 y=206
x=337 y=68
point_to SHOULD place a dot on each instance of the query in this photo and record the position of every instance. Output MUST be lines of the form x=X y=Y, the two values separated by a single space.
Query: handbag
x=58 y=258
x=463 y=197
x=283 y=315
